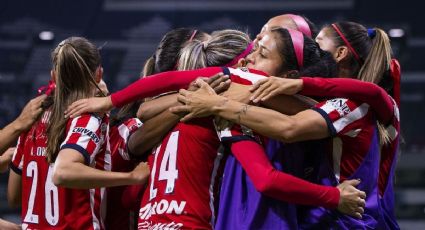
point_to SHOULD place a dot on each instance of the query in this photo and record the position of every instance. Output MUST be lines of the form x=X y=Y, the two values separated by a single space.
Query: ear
x=341 y=53
x=53 y=76
x=99 y=74
x=241 y=63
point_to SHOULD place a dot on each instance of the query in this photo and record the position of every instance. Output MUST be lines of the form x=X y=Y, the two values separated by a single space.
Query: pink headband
x=298 y=43
x=301 y=24
x=356 y=56
x=242 y=55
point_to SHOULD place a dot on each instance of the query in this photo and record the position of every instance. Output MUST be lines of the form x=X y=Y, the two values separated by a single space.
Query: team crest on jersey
x=340 y=105
x=87 y=132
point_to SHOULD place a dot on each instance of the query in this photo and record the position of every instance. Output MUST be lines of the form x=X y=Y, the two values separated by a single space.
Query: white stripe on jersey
x=94 y=124
x=252 y=77
x=74 y=121
x=337 y=155
x=96 y=223
x=224 y=133
x=15 y=152
x=217 y=163
x=329 y=106
x=124 y=132
x=351 y=117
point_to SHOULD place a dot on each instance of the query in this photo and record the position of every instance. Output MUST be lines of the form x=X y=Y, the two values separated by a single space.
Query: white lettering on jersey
x=172 y=207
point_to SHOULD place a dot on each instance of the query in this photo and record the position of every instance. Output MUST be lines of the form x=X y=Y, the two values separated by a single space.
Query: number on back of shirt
x=50 y=193
x=167 y=170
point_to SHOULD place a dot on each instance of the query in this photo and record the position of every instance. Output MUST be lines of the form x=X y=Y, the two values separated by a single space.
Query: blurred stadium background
x=132 y=28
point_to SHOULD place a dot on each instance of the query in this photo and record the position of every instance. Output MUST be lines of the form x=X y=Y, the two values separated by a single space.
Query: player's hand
x=5 y=159
x=30 y=113
x=238 y=92
x=198 y=103
x=89 y=105
x=140 y=173
x=6 y=225
x=219 y=83
x=351 y=201
x=267 y=88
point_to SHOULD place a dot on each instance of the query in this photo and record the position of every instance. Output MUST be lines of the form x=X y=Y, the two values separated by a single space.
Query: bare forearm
x=265 y=121
x=150 y=109
x=9 y=135
x=151 y=133
x=80 y=176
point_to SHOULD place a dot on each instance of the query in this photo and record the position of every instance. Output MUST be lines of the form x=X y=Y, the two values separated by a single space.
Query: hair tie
x=371 y=33
x=47 y=89
x=245 y=53
x=301 y=24
x=297 y=39
x=356 y=56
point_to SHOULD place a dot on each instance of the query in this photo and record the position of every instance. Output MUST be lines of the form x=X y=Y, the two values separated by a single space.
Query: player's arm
x=5 y=159
x=71 y=171
x=28 y=116
x=306 y=125
x=285 y=104
x=72 y=166
x=152 y=108
x=151 y=133
x=354 y=89
x=142 y=88
x=287 y=188
x=14 y=186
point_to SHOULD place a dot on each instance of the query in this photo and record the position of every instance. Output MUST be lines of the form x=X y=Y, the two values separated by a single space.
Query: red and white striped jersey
x=118 y=212
x=46 y=206
x=87 y=134
x=389 y=151
x=352 y=127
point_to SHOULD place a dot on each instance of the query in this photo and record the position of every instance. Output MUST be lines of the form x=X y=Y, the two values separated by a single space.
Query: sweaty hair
x=316 y=62
x=220 y=49
x=167 y=54
x=374 y=60
x=75 y=61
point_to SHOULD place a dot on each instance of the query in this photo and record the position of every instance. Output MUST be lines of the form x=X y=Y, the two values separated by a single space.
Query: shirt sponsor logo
x=87 y=132
x=340 y=106
x=159 y=226
x=161 y=207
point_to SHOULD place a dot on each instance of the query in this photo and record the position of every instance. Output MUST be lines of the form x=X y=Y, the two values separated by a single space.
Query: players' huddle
x=293 y=130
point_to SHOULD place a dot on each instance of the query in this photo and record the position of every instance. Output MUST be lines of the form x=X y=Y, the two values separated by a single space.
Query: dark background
x=133 y=28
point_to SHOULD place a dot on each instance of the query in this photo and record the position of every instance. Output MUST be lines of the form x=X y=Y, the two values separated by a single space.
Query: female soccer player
x=123 y=202
x=356 y=143
x=64 y=161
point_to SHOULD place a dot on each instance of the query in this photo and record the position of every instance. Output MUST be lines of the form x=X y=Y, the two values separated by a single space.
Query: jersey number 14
x=167 y=169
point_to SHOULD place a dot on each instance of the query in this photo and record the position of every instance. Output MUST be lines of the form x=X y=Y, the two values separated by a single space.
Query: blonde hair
x=219 y=49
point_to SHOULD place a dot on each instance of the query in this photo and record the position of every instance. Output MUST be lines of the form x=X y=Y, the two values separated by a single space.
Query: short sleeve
x=340 y=113
x=84 y=135
x=125 y=130
x=18 y=156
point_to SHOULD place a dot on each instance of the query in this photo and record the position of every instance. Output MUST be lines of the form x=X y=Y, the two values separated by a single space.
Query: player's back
x=46 y=206
x=183 y=169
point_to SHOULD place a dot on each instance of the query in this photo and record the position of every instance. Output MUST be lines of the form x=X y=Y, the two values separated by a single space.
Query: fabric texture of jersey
x=120 y=211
